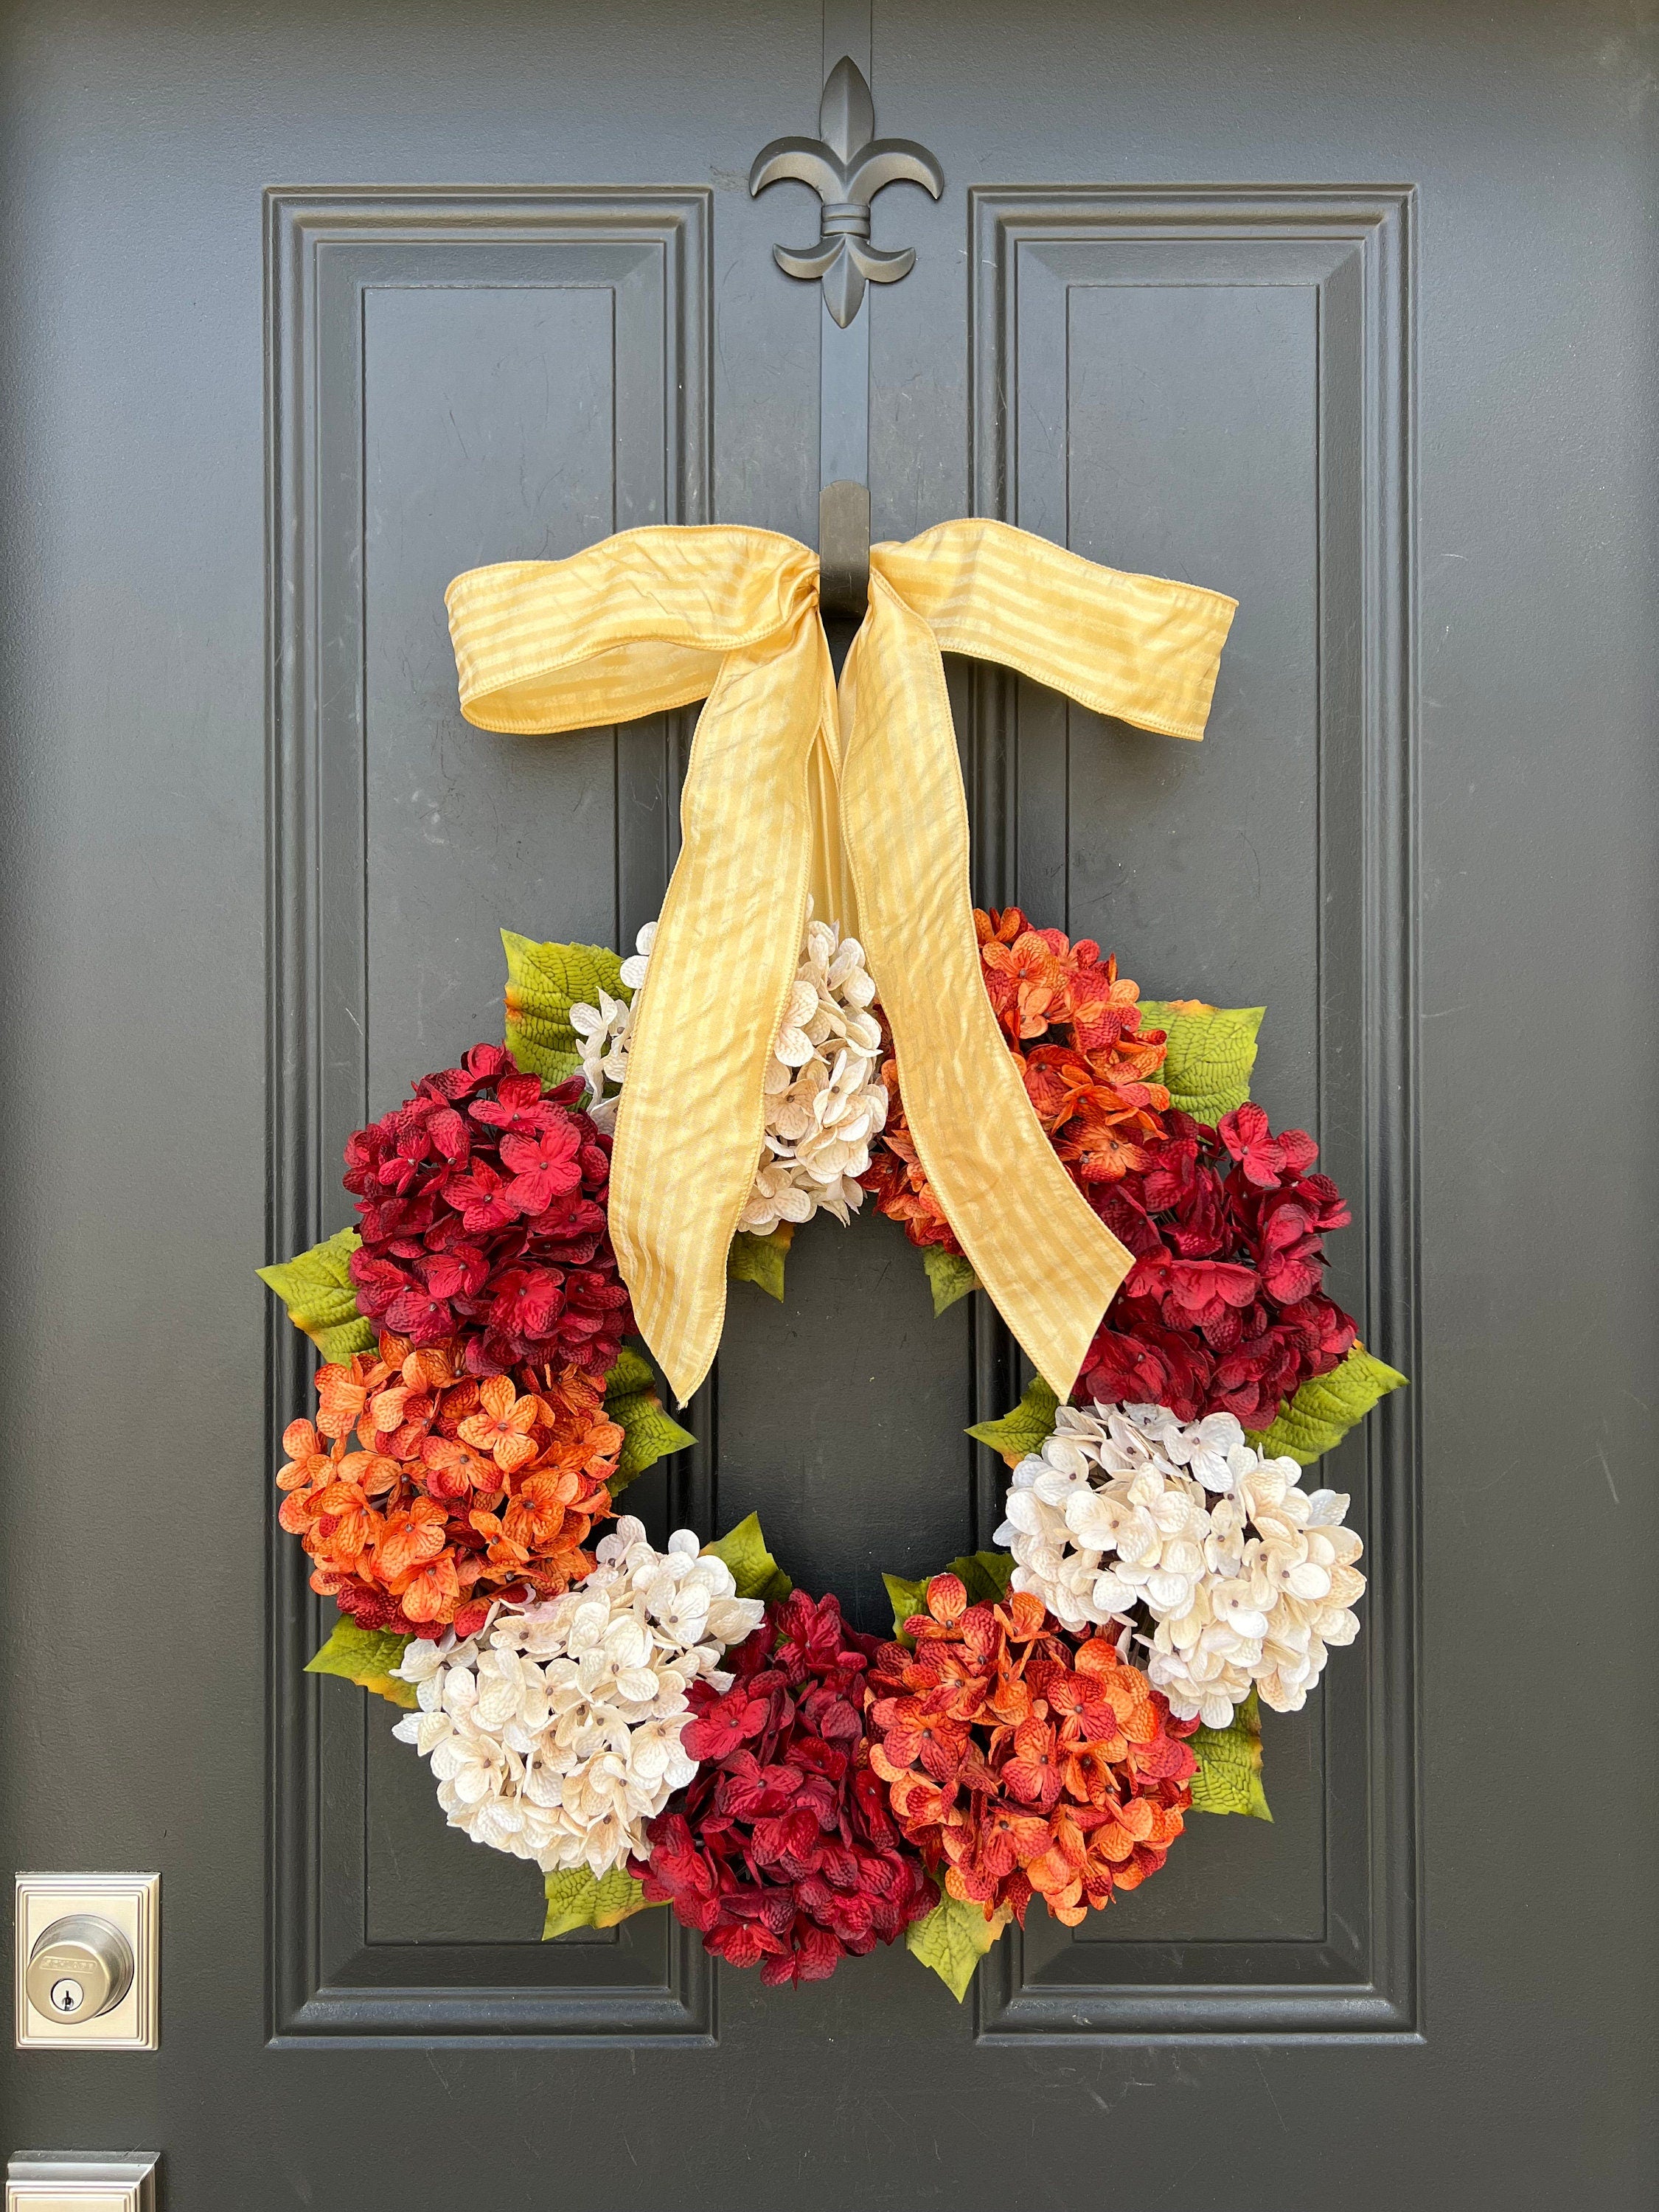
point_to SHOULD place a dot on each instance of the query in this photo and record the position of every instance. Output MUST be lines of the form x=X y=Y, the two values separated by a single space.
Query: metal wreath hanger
x=846 y=166
x=574 y=645
x=649 y=615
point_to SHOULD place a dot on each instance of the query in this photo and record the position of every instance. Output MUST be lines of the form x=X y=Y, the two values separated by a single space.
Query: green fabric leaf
x=577 y=1899
x=952 y=1940
x=366 y=1656
x=1210 y=1055
x=906 y=1598
x=318 y=1291
x=632 y=1373
x=950 y=1276
x=983 y=1575
x=649 y=1430
x=543 y=981
x=759 y=1260
x=1027 y=1429
x=754 y=1570
x=1229 y=1777
x=1324 y=1409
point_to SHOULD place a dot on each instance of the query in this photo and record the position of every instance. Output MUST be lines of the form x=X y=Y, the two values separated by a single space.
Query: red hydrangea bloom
x=483 y=1207
x=1224 y=1310
x=1023 y=1759
x=782 y=1850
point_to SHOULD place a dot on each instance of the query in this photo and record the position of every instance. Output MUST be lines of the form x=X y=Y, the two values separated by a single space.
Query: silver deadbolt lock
x=80 y=1967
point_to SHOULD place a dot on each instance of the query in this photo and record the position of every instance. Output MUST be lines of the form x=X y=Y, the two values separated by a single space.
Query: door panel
x=311 y=308
x=1250 y=347
x=454 y=377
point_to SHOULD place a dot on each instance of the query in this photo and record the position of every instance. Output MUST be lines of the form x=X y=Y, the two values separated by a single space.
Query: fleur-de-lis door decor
x=847 y=166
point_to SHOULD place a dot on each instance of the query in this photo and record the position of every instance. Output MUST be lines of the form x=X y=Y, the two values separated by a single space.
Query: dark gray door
x=1394 y=389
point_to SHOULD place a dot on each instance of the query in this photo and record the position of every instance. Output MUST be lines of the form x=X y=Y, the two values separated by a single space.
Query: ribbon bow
x=860 y=803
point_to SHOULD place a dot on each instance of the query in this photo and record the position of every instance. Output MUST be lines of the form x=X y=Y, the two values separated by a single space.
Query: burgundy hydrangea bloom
x=1224 y=1310
x=482 y=1206
x=784 y=1849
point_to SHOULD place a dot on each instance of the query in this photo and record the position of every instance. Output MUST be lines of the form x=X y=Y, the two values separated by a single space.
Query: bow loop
x=860 y=803
x=1140 y=648
x=636 y=625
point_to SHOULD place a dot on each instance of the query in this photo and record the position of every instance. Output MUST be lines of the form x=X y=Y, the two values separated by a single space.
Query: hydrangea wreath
x=683 y=1726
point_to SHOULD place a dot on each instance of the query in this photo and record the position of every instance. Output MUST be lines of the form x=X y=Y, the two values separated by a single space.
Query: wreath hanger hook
x=846 y=166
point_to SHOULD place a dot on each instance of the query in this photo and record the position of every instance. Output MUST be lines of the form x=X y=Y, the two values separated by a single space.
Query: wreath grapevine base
x=684 y=1728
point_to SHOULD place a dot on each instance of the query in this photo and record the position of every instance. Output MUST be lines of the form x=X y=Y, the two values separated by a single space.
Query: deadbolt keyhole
x=80 y=1967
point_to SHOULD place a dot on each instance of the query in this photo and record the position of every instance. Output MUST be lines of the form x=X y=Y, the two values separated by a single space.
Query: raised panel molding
x=1352 y=249
x=648 y=251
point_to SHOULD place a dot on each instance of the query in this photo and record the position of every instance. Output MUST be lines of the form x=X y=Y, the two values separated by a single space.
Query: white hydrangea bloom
x=554 y=1732
x=1128 y=1514
x=825 y=1099
x=604 y=1032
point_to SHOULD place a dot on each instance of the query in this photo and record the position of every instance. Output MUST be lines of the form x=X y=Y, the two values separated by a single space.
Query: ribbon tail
x=690 y=1123
x=1048 y=1262
x=830 y=879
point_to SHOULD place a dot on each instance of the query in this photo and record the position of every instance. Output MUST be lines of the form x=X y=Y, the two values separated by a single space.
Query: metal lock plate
x=88 y=1952
x=64 y=2181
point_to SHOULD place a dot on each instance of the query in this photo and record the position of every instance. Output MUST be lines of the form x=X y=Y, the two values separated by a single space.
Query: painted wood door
x=1347 y=313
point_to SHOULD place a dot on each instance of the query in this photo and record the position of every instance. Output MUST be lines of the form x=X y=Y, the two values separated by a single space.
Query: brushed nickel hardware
x=845 y=166
x=88 y=1961
x=80 y=1968
x=72 y=2181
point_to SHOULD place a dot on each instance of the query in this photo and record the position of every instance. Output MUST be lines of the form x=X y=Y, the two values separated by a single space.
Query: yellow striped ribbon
x=860 y=802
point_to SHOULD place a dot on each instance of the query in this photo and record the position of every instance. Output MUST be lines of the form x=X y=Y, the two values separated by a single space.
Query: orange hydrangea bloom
x=423 y=1493
x=1088 y=1069
x=1024 y=1760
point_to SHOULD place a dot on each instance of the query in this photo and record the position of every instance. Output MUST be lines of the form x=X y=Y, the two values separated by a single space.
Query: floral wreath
x=682 y=1726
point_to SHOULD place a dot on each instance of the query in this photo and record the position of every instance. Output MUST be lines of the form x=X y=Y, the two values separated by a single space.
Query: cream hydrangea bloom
x=604 y=1032
x=1128 y=1514
x=825 y=1099
x=554 y=1732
